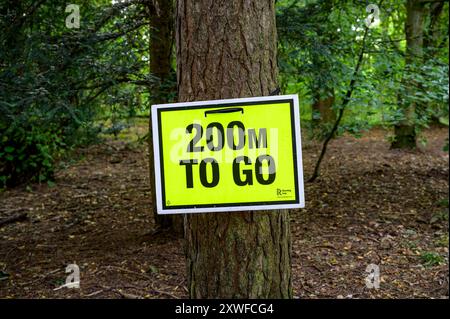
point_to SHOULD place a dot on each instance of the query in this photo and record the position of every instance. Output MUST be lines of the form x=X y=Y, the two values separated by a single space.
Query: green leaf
x=443 y=120
x=9 y=149
x=153 y=270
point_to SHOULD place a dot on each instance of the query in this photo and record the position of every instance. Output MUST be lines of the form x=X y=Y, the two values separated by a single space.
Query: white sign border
x=224 y=209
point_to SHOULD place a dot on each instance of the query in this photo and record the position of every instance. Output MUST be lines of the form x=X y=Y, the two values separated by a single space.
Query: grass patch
x=430 y=259
x=442 y=241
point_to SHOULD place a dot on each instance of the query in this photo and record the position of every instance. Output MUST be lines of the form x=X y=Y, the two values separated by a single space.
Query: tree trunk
x=162 y=39
x=432 y=41
x=323 y=106
x=405 y=131
x=433 y=34
x=227 y=49
x=13 y=37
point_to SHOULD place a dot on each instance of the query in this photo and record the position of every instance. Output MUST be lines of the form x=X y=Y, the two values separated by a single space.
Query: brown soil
x=371 y=205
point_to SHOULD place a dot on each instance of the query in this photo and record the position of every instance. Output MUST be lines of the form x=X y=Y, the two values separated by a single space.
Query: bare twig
x=122 y=294
x=161 y=292
x=130 y=272
x=13 y=219
x=41 y=277
x=94 y=293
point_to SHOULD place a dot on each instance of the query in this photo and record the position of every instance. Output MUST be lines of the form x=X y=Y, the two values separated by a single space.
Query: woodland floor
x=370 y=205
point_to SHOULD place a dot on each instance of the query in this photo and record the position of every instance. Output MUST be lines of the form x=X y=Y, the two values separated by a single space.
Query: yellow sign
x=228 y=155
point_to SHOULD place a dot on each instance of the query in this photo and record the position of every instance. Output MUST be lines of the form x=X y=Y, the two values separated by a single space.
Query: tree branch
x=347 y=99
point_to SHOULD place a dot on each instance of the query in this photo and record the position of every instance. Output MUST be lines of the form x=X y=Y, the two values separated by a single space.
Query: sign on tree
x=228 y=155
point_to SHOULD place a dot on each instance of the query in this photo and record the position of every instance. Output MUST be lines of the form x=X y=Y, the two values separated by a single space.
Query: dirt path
x=371 y=206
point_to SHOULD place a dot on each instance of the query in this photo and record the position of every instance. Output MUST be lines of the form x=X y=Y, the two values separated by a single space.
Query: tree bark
x=161 y=44
x=227 y=49
x=323 y=105
x=432 y=44
x=433 y=34
x=405 y=131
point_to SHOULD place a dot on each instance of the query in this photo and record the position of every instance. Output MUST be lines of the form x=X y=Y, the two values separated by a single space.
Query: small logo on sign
x=284 y=192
